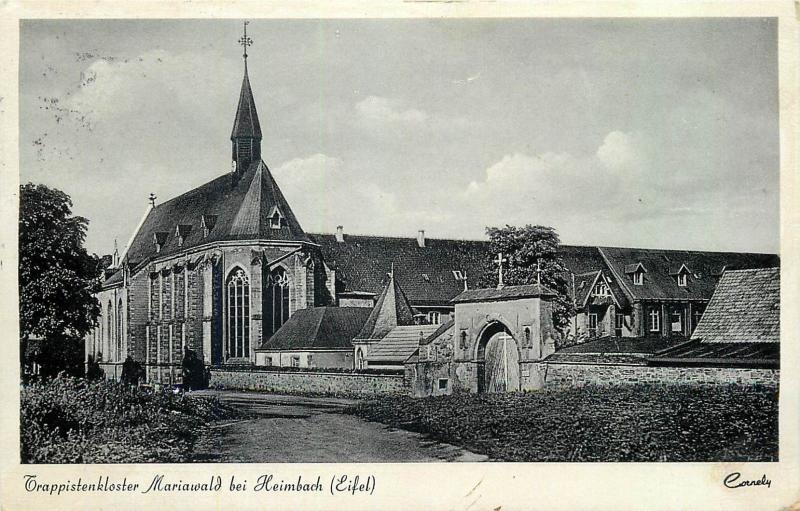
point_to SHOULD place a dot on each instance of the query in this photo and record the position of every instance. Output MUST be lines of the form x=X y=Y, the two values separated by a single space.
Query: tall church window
x=109 y=330
x=276 y=302
x=118 y=330
x=238 y=292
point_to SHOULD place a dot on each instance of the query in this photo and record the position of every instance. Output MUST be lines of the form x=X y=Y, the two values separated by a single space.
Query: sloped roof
x=660 y=285
x=745 y=308
x=584 y=284
x=720 y=354
x=246 y=123
x=239 y=205
x=503 y=293
x=318 y=328
x=391 y=310
x=443 y=328
x=400 y=343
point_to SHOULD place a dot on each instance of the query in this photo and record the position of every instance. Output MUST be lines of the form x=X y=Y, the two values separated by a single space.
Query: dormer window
x=636 y=271
x=601 y=289
x=207 y=223
x=275 y=218
x=638 y=278
x=683 y=279
x=159 y=239
x=458 y=275
x=681 y=274
x=182 y=232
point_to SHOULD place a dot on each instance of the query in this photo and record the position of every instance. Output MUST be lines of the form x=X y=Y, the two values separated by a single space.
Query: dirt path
x=293 y=429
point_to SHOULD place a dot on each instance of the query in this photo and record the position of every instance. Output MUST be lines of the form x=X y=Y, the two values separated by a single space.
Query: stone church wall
x=306 y=382
x=559 y=375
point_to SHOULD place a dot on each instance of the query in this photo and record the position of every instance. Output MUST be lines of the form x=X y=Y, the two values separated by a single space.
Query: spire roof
x=391 y=310
x=246 y=124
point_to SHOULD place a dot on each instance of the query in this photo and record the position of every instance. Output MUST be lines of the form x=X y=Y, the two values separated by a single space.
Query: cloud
x=618 y=151
x=377 y=111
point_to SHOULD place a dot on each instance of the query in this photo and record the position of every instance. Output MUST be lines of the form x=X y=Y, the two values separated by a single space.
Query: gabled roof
x=246 y=124
x=659 y=284
x=584 y=286
x=399 y=344
x=318 y=328
x=426 y=272
x=240 y=206
x=745 y=308
x=503 y=293
x=391 y=310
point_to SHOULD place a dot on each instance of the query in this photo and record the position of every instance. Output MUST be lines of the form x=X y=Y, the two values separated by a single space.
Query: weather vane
x=244 y=40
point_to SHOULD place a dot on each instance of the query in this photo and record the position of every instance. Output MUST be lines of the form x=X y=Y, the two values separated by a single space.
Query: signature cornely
x=732 y=480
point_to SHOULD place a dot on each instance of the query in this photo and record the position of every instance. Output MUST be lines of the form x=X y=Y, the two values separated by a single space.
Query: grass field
x=626 y=423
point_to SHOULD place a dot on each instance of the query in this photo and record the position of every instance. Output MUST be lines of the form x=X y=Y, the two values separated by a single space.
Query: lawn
x=625 y=423
x=71 y=420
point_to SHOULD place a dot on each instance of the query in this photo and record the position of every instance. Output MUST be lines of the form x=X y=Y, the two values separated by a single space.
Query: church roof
x=246 y=124
x=745 y=308
x=236 y=207
x=318 y=328
x=391 y=310
x=660 y=282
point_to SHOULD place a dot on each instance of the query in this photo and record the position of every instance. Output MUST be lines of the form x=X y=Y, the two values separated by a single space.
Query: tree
x=57 y=278
x=524 y=247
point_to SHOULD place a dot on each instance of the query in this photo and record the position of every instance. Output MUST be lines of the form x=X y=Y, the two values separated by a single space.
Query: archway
x=498 y=360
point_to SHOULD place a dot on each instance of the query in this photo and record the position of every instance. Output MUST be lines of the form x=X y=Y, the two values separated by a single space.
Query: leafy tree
x=524 y=247
x=57 y=278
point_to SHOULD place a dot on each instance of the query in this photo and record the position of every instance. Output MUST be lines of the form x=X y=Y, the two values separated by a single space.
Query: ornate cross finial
x=499 y=262
x=538 y=273
x=245 y=41
x=152 y=199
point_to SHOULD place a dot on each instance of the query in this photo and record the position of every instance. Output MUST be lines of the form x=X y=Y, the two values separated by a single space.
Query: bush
x=72 y=420
x=625 y=423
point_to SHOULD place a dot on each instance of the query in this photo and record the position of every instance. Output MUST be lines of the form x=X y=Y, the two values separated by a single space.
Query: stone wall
x=310 y=382
x=577 y=375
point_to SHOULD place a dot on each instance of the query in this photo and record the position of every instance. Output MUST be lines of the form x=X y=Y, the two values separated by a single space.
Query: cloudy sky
x=649 y=133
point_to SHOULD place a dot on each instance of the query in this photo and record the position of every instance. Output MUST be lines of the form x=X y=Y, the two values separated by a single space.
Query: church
x=227 y=271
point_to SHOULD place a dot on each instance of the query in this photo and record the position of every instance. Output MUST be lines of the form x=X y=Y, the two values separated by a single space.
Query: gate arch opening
x=497 y=358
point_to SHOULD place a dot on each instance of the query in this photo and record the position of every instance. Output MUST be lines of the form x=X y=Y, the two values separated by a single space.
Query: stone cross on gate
x=499 y=261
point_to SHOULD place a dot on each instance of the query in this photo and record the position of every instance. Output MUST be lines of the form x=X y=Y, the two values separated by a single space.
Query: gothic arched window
x=276 y=300
x=238 y=286
x=119 y=329
x=109 y=331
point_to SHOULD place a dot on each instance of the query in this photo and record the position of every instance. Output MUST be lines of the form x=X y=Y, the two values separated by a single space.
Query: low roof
x=391 y=310
x=318 y=328
x=400 y=343
x=721 y=354
x=745 y=308
x=503 y=293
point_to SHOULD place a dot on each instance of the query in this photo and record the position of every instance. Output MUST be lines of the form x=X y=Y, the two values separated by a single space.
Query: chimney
x=339 y=234
x=421 y=238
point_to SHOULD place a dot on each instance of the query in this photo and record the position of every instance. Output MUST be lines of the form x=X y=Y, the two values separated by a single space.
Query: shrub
x=625 y=423
x=72 y=420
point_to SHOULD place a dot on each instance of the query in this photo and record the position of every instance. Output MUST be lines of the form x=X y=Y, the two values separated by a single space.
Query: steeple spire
x=246 y=134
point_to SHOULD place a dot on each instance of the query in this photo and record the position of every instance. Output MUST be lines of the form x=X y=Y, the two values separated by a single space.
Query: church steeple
x=246 y=134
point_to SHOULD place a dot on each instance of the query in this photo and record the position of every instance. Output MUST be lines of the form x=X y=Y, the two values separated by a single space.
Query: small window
x=601 y=289
x=592 y=322
x=655 y=320
x=308 y=361
x=638 y=278
x=295 y=361
x=463 y=342
x=528 y=342
x=433 y=318
x=619 y=321
x=676 y=319
x=458 y=275
x=268 y=361
x=275 y=221
x=683 y=279
x=443 y=383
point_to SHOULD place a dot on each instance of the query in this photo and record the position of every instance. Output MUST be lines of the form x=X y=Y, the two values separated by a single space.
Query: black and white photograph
x=471 y=241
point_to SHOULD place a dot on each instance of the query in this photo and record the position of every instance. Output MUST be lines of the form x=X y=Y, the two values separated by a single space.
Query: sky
x=657 y=133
